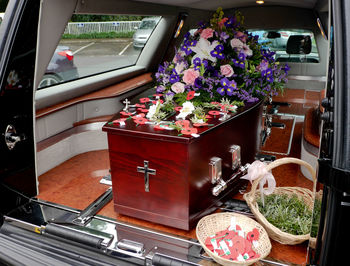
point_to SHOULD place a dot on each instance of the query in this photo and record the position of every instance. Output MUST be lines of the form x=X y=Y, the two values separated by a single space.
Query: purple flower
x=230 y=22
x=193 y=43
x=269 y=79
x=161 y=69
x=225 y=82
x=198 y=82
x=241 y=56
x=230 y=90
x=224 y=36
x=217 y=54
x=197 y=61
x=186 y=49
x=174 y=78
x=263 y=65
x=219 y=48
x=160 y=89
x=238 y=63
x=286 y=68
x=221 y=91
x=266 y=73
x=170 y=93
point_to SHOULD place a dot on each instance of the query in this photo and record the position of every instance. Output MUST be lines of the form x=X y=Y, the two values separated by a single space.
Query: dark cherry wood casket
x=179 y=191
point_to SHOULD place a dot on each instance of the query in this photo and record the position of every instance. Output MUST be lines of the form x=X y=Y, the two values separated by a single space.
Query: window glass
x=288 y=44
x=93 y=44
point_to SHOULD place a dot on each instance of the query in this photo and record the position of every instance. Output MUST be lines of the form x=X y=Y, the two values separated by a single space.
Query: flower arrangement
x=221 y=61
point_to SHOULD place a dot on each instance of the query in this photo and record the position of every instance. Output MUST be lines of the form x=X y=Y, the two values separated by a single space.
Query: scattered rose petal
x=158 y=95
x=183 y=123
x=143 y=110
x=125 y=113
x=154 y=102
x=140 y=120
x=144 y=100
x=189 y=131
x=190 y=95
x=118 y=121
x=138 y=116
x=214 y=112
x=140 y=105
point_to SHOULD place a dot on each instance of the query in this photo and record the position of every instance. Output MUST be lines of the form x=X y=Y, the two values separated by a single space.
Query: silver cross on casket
x=147 y=171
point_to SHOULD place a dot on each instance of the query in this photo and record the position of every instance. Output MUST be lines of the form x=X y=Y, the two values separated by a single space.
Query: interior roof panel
x=213 y=5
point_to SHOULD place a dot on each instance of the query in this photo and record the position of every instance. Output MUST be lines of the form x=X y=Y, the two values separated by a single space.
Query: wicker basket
x=302 y=193
x=211 y=224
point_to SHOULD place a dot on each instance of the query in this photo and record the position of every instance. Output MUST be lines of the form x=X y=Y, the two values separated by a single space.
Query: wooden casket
x=163 y=177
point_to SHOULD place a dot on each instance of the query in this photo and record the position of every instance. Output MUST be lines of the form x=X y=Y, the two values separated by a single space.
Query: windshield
x=147 y=24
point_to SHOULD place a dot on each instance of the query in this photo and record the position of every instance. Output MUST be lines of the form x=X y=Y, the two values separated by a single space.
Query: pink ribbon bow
x=257 y=169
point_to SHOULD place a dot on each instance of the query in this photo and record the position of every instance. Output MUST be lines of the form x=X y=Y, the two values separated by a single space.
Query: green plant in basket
x=288 y=213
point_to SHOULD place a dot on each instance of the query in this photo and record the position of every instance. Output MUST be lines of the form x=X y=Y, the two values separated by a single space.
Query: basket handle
x=282 y=161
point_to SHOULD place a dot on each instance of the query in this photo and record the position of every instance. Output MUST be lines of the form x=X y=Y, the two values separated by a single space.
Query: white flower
x=180 y=67
x=203 y=49
x=187 y=108
x=153 y=110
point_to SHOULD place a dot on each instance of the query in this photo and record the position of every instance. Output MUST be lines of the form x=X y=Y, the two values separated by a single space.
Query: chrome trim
x=215 y=170
x=290 y=140
x=235 y=151
x=146 y=230
x=307 y=78
x=24 y=225
x=115 y=222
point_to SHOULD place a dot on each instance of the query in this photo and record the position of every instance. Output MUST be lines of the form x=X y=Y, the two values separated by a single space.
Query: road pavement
x=93 y=56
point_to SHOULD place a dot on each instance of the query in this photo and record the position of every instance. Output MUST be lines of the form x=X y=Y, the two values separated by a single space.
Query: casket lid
x=148 y=131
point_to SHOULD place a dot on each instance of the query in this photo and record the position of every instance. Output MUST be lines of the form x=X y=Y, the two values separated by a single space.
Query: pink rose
x=190 y=76
x=226 y=70
x=178 y=87
x=207 y=33
x=236 y=43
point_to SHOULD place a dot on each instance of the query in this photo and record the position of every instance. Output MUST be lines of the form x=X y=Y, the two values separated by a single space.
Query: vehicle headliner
x=212 y=5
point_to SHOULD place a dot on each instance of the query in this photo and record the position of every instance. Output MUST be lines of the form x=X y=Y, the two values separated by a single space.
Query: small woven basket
x=211 y=224
x=303 y=194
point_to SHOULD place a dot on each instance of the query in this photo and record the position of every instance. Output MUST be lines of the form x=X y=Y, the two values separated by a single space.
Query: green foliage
x=289 y=214
x=99 y=35
x=168 y=107
x=316 y=217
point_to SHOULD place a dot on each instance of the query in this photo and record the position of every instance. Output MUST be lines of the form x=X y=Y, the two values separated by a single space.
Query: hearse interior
x=63 y=201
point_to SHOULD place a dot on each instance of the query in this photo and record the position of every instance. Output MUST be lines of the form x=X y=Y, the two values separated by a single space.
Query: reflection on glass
x=280 y=42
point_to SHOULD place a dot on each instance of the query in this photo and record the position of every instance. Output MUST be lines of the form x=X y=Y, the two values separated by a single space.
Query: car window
x=93 y=44
x=284 y=41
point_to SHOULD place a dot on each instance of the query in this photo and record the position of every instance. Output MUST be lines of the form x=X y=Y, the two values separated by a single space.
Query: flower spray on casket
x=219 y=66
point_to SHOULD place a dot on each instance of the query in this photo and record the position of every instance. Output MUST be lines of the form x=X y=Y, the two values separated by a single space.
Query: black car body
x=61 y=67
x=34 y=232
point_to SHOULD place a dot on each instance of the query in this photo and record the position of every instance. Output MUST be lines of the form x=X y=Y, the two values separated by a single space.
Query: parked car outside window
x=61 y=68
x=144 y=31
